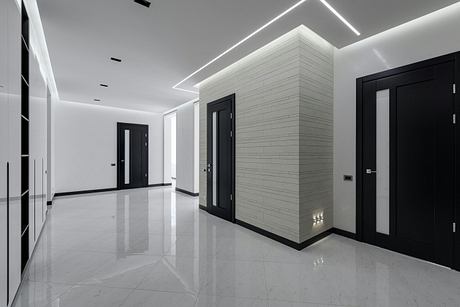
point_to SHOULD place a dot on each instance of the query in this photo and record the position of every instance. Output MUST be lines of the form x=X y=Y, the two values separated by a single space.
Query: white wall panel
x=14 y=146
x=167 y=148
x=37 y=149
x=86 y=145
x=4 y=139
x=185 y=140
x=427 y=37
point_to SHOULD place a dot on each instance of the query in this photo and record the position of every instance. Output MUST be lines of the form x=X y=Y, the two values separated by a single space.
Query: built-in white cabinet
x=18 y=149
x=3 y=150
x=37 y=150
x=14 y=145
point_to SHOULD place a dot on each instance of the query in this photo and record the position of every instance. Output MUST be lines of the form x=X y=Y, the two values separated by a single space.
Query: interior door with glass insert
x=408 y=162
x=133 y=149
x=221 y=152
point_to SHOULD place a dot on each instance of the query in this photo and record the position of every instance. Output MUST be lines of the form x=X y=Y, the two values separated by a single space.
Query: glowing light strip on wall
x=38 y=44
x=340 y=17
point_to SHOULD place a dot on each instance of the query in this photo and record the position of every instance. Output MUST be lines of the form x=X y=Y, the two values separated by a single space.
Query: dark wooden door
x=221 y=152
x=133 y=150
x=409 y=176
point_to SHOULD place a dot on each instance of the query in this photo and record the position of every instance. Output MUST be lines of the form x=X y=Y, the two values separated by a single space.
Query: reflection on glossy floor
x=154 y=247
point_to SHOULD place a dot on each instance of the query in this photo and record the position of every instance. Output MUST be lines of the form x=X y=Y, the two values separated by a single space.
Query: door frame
x=120 y=169
x=453 y=57
x=230 y=98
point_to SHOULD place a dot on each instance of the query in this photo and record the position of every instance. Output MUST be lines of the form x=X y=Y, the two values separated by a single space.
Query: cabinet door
x=14 y=155
x=38 y=146
x=34 y=151
x=3 y=151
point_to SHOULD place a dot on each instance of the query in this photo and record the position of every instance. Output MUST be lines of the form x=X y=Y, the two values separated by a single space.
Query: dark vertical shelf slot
x=24 y=249
x=24 y=136
x=24 y=99
x=24 y=139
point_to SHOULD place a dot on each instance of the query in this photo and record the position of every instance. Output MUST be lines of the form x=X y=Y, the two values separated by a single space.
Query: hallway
x=154 y=247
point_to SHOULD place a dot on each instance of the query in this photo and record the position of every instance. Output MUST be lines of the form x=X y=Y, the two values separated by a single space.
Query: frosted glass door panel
x=214 y=159
x=383 y=162
x=127 y=158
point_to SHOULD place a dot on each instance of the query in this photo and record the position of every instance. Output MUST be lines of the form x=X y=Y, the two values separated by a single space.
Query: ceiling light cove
x=342 y=19
x=296 y=5
x=176 y=87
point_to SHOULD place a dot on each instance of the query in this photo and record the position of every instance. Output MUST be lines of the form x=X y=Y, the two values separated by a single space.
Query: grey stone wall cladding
x=284 y=141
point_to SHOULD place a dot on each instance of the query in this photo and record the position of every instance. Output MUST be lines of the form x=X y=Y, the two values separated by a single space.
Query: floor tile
x=142 y=298
x=154 y=247
x=217 y=301
x=91 y=296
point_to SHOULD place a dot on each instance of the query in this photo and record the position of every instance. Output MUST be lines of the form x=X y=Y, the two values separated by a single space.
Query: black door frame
x=120 y=167
x=455 y=57
x=230 y=98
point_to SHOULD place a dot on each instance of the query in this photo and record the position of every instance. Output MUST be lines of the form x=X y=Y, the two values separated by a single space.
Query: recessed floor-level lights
x=115 y=59
x=143 y=2
x=97 y=100
x=176 y=87
x=103 y=85
x=340 y=17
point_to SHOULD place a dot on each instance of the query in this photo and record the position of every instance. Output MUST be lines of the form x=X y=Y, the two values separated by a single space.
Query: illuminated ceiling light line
x=184 y=90
x=340 y=17
x=238 y=44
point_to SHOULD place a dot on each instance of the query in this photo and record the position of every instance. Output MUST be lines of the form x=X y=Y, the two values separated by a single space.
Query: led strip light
x=176 y=87
x=342 y=19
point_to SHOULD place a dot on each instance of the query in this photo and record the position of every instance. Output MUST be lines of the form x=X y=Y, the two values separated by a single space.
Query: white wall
x=185 y=170
x=167 y=163
x=86 y=145
x=427 y=37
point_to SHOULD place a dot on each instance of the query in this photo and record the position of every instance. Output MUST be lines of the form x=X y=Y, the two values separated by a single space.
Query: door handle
x=209 y=167
x=370 y=171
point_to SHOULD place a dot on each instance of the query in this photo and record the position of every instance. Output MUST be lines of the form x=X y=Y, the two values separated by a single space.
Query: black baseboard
x=295 y=245
x=204 y=208
x=187 y=192
x=84 y=192
x=344 y=233
x=106 y=190
x=159 y=185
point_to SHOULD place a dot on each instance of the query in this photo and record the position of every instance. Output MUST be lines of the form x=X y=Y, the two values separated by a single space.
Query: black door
x=221 y=153
x=407 y=168
x=133 y=151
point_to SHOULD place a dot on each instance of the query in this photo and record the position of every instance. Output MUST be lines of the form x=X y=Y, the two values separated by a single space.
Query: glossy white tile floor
x=154 y=247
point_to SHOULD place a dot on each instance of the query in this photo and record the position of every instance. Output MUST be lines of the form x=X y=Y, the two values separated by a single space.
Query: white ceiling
x=163 y=44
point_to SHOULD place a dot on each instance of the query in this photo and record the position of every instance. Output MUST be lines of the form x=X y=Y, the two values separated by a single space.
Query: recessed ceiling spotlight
x=340 y=17
x=143 y=2
x=97 y=100
x=103 y=85
x=116 y=60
